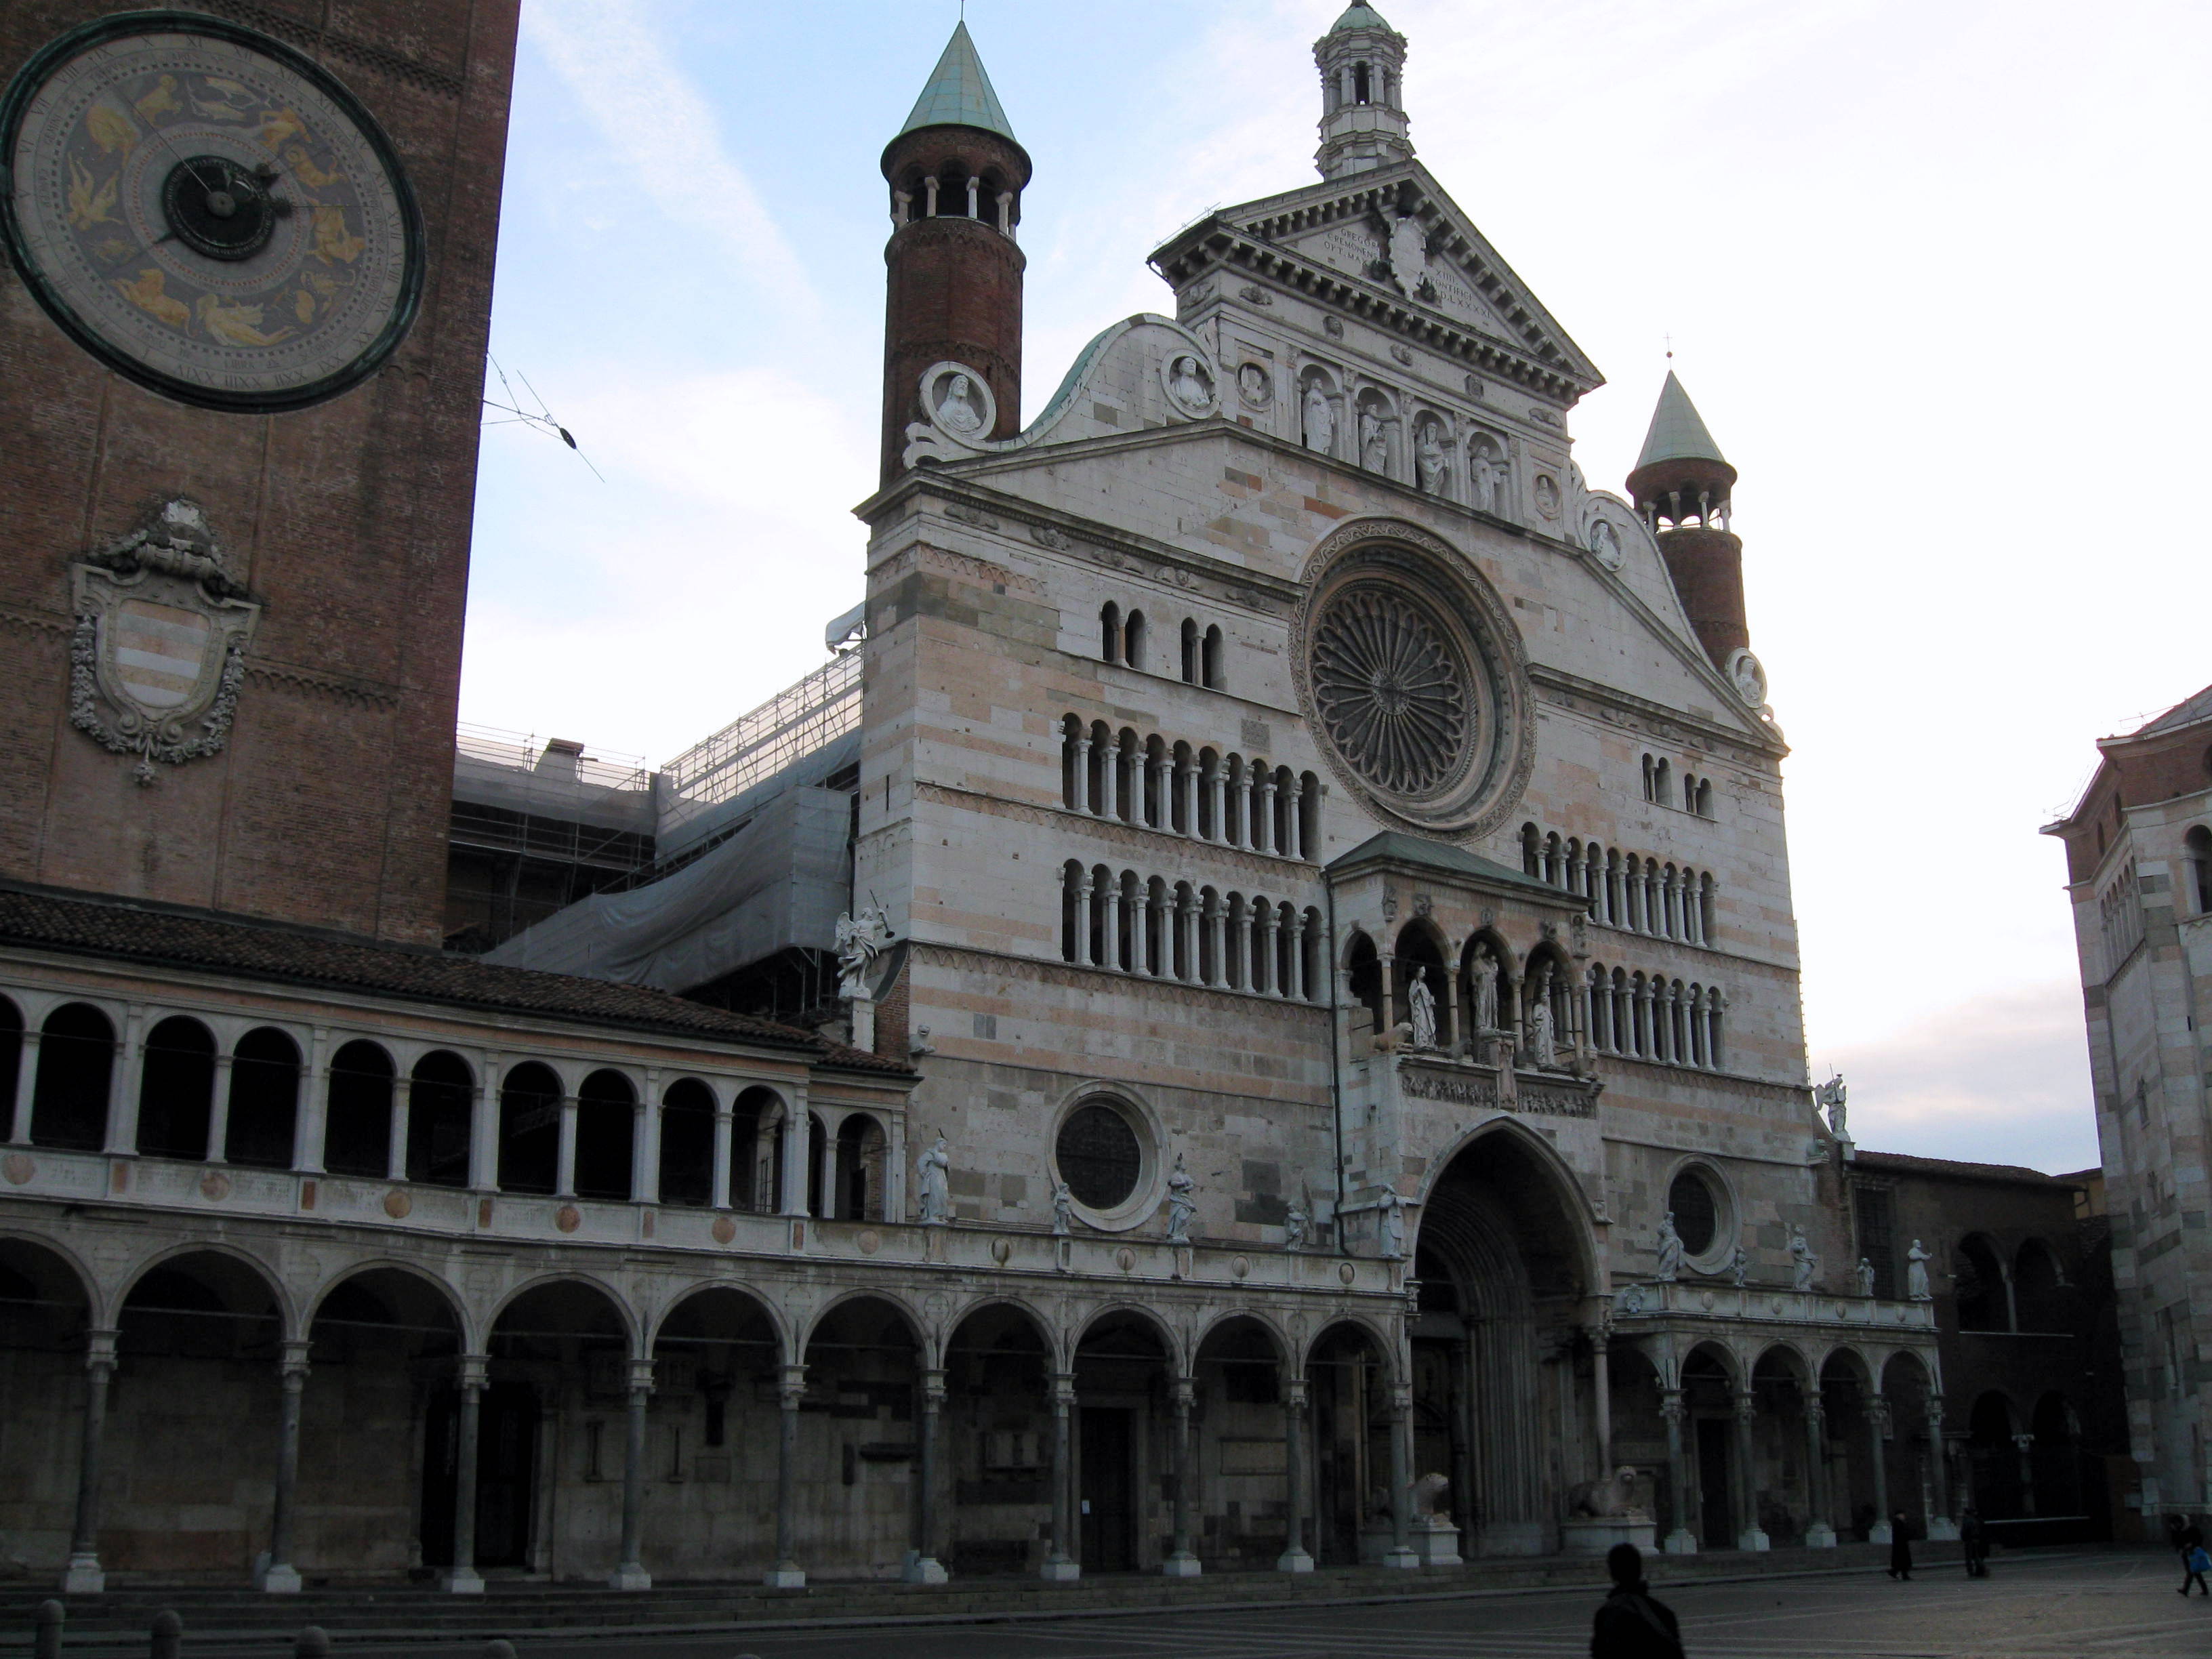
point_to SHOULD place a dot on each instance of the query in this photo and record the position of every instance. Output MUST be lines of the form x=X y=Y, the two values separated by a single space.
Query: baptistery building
x=1247 y=1018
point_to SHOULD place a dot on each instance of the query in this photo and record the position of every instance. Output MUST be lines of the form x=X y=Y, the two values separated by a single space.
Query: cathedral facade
x=1320 y=1075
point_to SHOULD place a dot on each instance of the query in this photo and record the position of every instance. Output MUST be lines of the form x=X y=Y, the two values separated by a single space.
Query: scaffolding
x=794 y=724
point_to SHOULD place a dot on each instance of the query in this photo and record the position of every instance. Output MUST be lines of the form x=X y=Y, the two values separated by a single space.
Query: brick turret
x=957 y=174
x=1681 y=485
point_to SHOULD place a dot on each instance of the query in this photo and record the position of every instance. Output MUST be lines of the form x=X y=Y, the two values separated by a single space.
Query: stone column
x=1939 y=1524
x=1181 y=1563
x=629 y=1573
x=1401 y=1552
x=1060 y=1564
x=1819 y=1534
x=1269 y=841
x=83 y=1575
x=280 y=1576
x=463 y=1579
x=921 y=1564
x=1084 y=801
x=2024 y=1444
x=1294 y=1557
x=26 y=1088
x=123 y=1079
x=1159 y=806
x=1140 y=929
x=395 y=1150
x=1217 y=793
x=483 y=1126
x=1214 y=934
x=1112 y=927
x=1749 y=1536
x=218 y=1139
x=1271 y=929
x=1247 y=810
x=786 y=1574
x=724 y=1134
x=1086 y=936
x=1186 y=776
x=564 y=1177
x=1877 y=1416
x=1294 y=844
x=1683 y=1541
x=308 y=1142
x=1110 y=779
x=645 y=1143
x=1602 y=1400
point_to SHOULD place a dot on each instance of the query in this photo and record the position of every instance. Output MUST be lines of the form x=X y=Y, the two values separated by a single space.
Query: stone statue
x=1605 y=545
x=1423 y=1003
x=1483 y=970
x=1543 y=1043
x=1390 y=1224
x=1670 y=1251
x=1428 y=1497
x=1295 y=1227
x=861 y=941
x=1866 y=1277
x=1187 y=382
x=1252 y=381
x=1610 y=1499
x=1321 y=422
x=1181 y=1206
x=1428 y=459
x=1831 y=1095
x=933 y=1182
x=1063 y=1210
x=1916 y=1273
x=1374 y=446
x=1739 y=1267
x=1481 y=480
x=1803 y=1264
x=955 y=411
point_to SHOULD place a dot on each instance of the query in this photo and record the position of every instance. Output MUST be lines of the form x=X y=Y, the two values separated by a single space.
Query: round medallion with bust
x=208 y=211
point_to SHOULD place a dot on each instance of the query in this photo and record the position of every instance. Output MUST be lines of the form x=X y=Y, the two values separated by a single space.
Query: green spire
x=1358 y=16
x=1677 y=434
x=959 y=93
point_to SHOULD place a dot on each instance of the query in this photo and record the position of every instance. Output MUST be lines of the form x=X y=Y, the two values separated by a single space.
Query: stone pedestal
x=630 y=1577
x=1435 y=1541
x=1181 y=1565
x=464 y=1581
x=1819 y=1536
x=1680 y=1541
x=84 y=1576
x=281 y=1578
x=1751 y=1538
x=1584 y=1534
x=1061 y=1571
x=1879 y=1533
x=784 y=1578
x=1294 y=1561
x=921 y=1569
x=1377 y=1547
x=1943 y=1530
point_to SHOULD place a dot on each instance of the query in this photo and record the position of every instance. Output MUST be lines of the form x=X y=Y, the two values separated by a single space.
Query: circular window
x=1697 y=1214
x=1410 y=668
x=1099 y=1156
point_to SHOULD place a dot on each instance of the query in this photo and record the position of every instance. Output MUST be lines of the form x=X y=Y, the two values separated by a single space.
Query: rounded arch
x=1788 y=1357
x=846 y=1303
x=991 y=1306
x=1981 y=1288
x=49 y=1266
x=1844 y=1363
x=1224 y=1322
x=693 y=1305
x=624 y=1319
x=1349 y=1325
x=1557 y=1182
x=237 y=1265
x=1709 y=1357
x=1904 y=1371
x=1118 y=1316
x=312 y=1304
x=2039 y=1298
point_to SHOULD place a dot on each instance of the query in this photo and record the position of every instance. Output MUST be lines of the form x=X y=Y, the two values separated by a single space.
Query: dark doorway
x=507 y=1466
x=1109 y=1483
x=1713 y=1506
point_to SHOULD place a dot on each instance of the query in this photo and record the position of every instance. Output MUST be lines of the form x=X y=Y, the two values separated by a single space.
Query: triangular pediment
x=1395 y=230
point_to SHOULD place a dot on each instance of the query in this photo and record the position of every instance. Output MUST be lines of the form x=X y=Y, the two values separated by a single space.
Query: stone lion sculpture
x=1609 y=1500
x=1429 y=1496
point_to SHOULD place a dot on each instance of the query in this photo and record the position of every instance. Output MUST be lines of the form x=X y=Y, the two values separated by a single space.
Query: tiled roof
x=1395 y=845
x=959 y=93
x=1677 y=432
x=1358 y=17
x=161 y=936
x=1907 y=1163
x=2185 y=713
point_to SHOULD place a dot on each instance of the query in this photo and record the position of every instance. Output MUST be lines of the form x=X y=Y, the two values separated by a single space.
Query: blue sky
x=1933 y=273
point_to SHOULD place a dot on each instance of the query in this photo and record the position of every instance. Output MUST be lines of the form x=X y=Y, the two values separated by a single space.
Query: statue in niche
x=1422 y=1001
x=1483 y=973
x=861 y=941
x=1803 y=1264
x=1831 y=1096
x=1189 y=384
x=1321 y=421
x=1482 y=478
x=1739 y=1267
x=933 y=1181
x=1865 y=1271
x=1669 y=1249
x=1252 y=382
x=1916 y=1273
x=1181 y=1206
x=1296 y=1224
x=1063 y=1210
x=957 y=410
x=1374 y=442
x=1428 y=458
x=1390 y=1224
x=1543 y=1039
x=1605 y=545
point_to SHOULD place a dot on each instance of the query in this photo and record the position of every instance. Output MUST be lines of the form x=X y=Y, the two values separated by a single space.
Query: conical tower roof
x=1358 y=16
x=1677 y=434
x=959 y=93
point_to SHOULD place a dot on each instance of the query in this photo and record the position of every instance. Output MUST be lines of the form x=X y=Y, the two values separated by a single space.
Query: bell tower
x=954 y=293
x=1682 y=486
x=1363 y=95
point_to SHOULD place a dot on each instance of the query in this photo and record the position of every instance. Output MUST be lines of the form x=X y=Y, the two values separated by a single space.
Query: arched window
x=1366 y=975
x=2198 y=842
x=1650 y=777
x=440 y=1099
x=530 y=1130
x=1110 y=632
x=1360 y=83
x=76 y=1058
x=2039 y=1296
x=757 y=1127
x=1190 y=652
x=1704 y=807
x=11 y=1058
x=1985 y=1300
x=1071 y=781
x=357 y=1123
x=176 y=1090
x=264 y=1100
x=858 y=1195
x=687 y=1144
x=607 y=1131
x=1132 y=640
x=1215 y=670
x=1663 y=782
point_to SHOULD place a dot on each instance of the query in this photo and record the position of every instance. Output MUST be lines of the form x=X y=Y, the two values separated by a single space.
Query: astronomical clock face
x=208 y=211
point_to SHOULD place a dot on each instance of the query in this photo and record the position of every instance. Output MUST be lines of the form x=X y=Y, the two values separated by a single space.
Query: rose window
x=1391 y=687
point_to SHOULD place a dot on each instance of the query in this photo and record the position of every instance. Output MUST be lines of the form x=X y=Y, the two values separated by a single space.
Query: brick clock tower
x=249 y=251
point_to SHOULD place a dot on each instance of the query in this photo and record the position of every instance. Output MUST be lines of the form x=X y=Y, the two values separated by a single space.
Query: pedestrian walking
x=1900 y=1548
x=1974 y=1537
x=1629 y=1624
x=2195 y=1565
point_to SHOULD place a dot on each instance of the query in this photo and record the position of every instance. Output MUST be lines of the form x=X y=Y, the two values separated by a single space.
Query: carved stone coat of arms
x=159 y=646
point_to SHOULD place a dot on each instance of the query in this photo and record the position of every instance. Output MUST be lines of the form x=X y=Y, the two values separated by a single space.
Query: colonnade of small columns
x=1637 y=894
x=1655 y=1017
x=1128 y=923
x=1226 y=798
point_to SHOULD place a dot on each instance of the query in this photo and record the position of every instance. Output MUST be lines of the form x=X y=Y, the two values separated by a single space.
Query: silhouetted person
x=2195 y=1564
x=1630 y=1625
x=1900 y=1548
x=1974 y=1537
